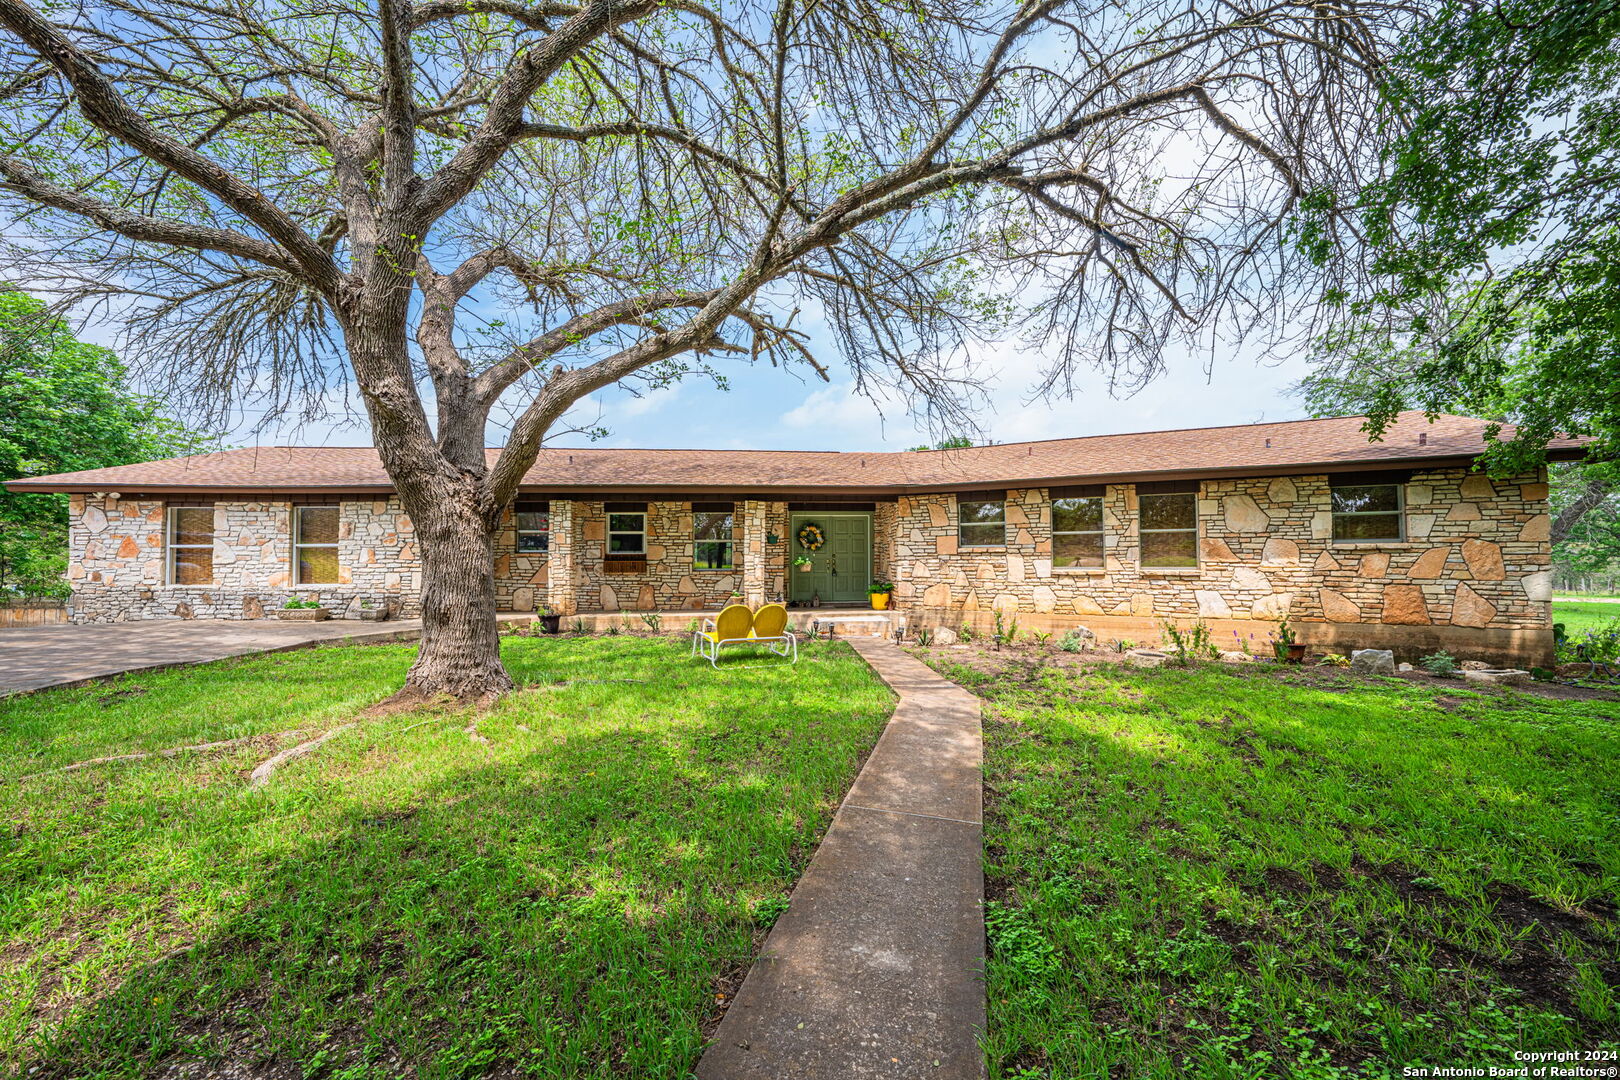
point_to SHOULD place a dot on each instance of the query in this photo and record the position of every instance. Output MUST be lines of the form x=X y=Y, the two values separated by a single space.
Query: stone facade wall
x=670 y=582
x=1476 y=555
x=117 y=553
x=522 y=578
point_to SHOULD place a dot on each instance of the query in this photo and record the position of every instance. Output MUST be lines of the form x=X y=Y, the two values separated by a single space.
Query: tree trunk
x=460 y=653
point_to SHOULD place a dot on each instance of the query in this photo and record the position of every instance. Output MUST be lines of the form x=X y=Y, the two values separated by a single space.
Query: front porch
x=616 y=558
x=632 y=621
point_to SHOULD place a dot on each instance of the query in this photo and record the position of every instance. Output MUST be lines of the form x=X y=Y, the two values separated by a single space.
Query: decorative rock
x=1532 y=492
x=1431 y=564
x=645 y=598
x=1463 y=511
x=1375 y=565
x=1085 y=605
x=945 y=544
x=252 y=607
x=1538 y=586
x=610 y=599
x=1405 y=668
x=1280 y=551
x=944 y=636
x=1247 y=577
x=1470 y=608
x=1419 y=526
x=1537 y=529
x=1281 y=490
x=1141 y=603
x=1321 y=525
x=1477 y=486
x=1484 y=559
x=1326 y=562
x=523 y=598
x=1212 y=605
x=1214 y=549
x=1498 y=677
x=936 y=516
x=1045 y=599
x=1336 y=607
x=937 y=595
x=1243 y=514
x=94 y=518
x=1404 y=606
x=1474 y=665
x=1236 y=658
x=1274 y=606
x=1006 y=603
x=1419 y=494
x=1373 y=661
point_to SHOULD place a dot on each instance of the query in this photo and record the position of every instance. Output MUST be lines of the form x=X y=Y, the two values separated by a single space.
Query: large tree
x=1485 y=266
x=65 y=404
x=459 y=205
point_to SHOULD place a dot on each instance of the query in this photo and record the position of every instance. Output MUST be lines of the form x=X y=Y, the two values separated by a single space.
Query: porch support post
x=753 y=560
x=561 y=595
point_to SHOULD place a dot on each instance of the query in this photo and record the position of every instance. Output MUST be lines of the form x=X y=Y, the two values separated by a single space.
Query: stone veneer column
x=561 y=596
x=753 y=560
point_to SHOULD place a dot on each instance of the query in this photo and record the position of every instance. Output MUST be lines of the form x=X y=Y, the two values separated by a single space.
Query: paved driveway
x=34 y=657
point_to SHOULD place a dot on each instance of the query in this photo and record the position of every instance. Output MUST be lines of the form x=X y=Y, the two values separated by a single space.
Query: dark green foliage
x=1491 y=247
x=65 y=405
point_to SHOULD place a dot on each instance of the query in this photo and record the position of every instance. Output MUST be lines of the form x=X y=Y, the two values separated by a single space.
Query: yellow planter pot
x=880 y=600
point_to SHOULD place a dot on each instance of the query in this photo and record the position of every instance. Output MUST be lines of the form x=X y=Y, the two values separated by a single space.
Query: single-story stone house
x=1397 y=543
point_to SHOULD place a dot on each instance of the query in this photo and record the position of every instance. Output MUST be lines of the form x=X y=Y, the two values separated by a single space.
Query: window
x=1366 y=512
x=627 y=533
x=981 y=522
x=711 y=536
x=191 y=545
x=1169 y=530
x=315 y=544
x=533 y=523
x=1077 y=532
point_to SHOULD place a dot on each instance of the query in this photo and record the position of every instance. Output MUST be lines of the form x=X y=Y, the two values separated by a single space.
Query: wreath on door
x=811 y=537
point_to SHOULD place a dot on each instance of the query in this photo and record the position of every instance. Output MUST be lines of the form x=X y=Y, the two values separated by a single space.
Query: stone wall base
x=1500 y=647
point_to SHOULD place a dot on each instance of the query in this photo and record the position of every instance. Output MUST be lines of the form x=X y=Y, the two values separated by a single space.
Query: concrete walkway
x=39 y=657
x=875 y=969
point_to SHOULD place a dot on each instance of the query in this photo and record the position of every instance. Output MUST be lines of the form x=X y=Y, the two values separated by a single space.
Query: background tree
x=64 y=405
x=459 y=205
x=1484 y=274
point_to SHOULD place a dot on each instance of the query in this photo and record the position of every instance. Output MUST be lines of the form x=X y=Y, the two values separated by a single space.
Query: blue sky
x=768 y=408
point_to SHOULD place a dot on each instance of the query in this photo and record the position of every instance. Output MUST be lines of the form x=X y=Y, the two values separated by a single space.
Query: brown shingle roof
x=1251 y=449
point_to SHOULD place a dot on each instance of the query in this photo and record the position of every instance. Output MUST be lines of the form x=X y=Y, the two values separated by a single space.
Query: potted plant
x=369 y=612
x=801 y=562
x=878 y=592
x=296 y=610
x=1285 y=646
x=550 y=621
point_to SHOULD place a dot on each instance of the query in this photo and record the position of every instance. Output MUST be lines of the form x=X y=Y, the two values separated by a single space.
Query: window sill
x=962 y=548
x=1079 y=571
x=1342 y=544
x=1170 y=571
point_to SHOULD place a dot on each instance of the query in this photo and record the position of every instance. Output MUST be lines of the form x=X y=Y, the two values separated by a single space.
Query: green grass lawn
x=1230 y=872
x=565 y=900
x=1578 y=617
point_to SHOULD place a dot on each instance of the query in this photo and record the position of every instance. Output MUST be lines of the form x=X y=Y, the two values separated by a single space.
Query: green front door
x=841 y=569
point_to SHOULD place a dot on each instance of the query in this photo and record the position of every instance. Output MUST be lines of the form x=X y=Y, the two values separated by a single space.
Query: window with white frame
x=315 y=544
x=1368 y=508
x=191 y=545
x=712 y=525
x=981 y=521
x=533 y=525
x=627 y=532
x=1169 y=529
x=1077 y=530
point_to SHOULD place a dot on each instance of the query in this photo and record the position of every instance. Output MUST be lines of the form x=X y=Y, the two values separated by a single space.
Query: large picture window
x=711 y=536
x=315 y=544
x=533 y=524
x=191 y=545
x=1169 y=526
x=1077 y=531
x=981 y=522
x=1367 y=509
x=627 y=533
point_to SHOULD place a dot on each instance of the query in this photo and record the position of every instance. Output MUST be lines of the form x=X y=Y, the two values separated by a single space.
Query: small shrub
x=1077 y=640
x=1441 y=663
x=925 y=637
x=1191 y=644
x=578 y=626
x=768 y=909
x=966 y=633
x=295 y=604
x=1123 y=644
x=1334 y=659
x=654 y=621
x=1042 y=637
x=1006 y=628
